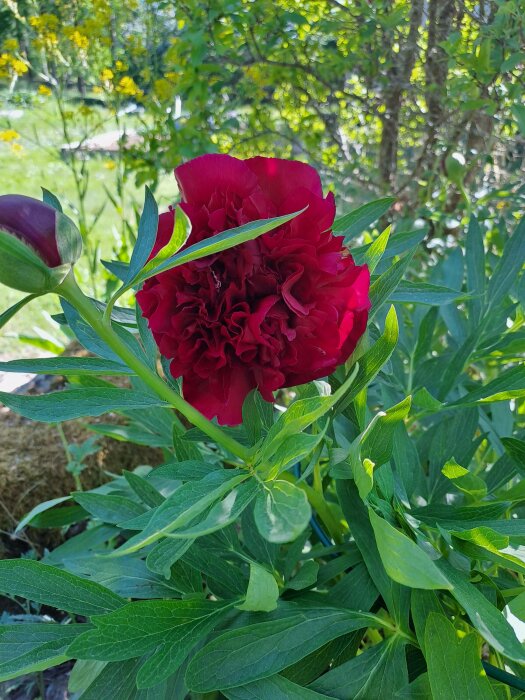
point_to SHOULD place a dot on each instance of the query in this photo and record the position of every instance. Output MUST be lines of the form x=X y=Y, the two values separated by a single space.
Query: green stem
x=73 y=294
x=69 y=456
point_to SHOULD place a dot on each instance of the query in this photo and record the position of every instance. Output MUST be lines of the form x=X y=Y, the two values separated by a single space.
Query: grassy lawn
x=34 y=161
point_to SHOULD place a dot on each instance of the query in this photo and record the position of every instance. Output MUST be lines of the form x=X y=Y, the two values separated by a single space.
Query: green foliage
x=208 y=573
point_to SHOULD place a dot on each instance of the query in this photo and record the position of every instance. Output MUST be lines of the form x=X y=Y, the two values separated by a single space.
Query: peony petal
x=222 y=396
x=280 y=178
x=200 y=178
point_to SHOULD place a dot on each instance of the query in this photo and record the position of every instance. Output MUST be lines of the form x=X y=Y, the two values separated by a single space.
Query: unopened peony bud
x=38 y=244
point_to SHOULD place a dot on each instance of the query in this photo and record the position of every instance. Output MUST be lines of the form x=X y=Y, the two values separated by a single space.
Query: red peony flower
x=275 y=312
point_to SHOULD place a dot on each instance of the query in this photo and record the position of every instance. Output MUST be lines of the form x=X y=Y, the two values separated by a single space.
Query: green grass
x=34 y=161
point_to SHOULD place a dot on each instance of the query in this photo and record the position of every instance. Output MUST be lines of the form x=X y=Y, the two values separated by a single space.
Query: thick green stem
x=73 y=294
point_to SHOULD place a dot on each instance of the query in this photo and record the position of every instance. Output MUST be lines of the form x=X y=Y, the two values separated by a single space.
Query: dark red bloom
x=275 y=312
x=33 y=222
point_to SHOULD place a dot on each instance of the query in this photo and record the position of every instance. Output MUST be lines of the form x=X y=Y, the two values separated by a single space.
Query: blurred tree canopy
x=421 y=99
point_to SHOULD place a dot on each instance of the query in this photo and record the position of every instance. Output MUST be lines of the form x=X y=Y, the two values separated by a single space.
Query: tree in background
x=420 y=99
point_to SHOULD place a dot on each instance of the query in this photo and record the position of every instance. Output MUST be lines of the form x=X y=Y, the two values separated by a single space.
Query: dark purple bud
x=32 y=222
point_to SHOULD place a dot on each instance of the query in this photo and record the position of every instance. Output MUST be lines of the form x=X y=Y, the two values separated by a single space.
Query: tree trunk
x=401 y=65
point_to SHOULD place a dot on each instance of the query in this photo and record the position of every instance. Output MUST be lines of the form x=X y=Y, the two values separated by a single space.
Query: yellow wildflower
x=127 y=86
x=44 y=90
x=19 y=66
x=9 y=135
x=80 y=40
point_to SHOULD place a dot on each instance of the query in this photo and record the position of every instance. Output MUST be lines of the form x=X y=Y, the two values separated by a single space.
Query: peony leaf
x=66 y=366
x=384 y=286
x=281 y=512
x=48 y=585
x=77 y=403
x=260 y=650
x=218 y=243
x=403 y=560
x=8 y=314
x=181 y=508
x=33 y=647
x=179 y=236
x=355 y=222
x=376 y=249
x=147 y=233
x=263 y=593
x=454 y=664
x=223 y=513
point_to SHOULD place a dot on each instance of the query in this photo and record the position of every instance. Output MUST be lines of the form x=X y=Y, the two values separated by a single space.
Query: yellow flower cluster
x=46 y=26
x=9 y=135
x=77 y=38
x=127 y=86
x=10 y=65
x=106 y=75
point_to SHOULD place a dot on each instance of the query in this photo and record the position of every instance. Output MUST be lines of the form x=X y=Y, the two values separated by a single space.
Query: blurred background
x=419 y=100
